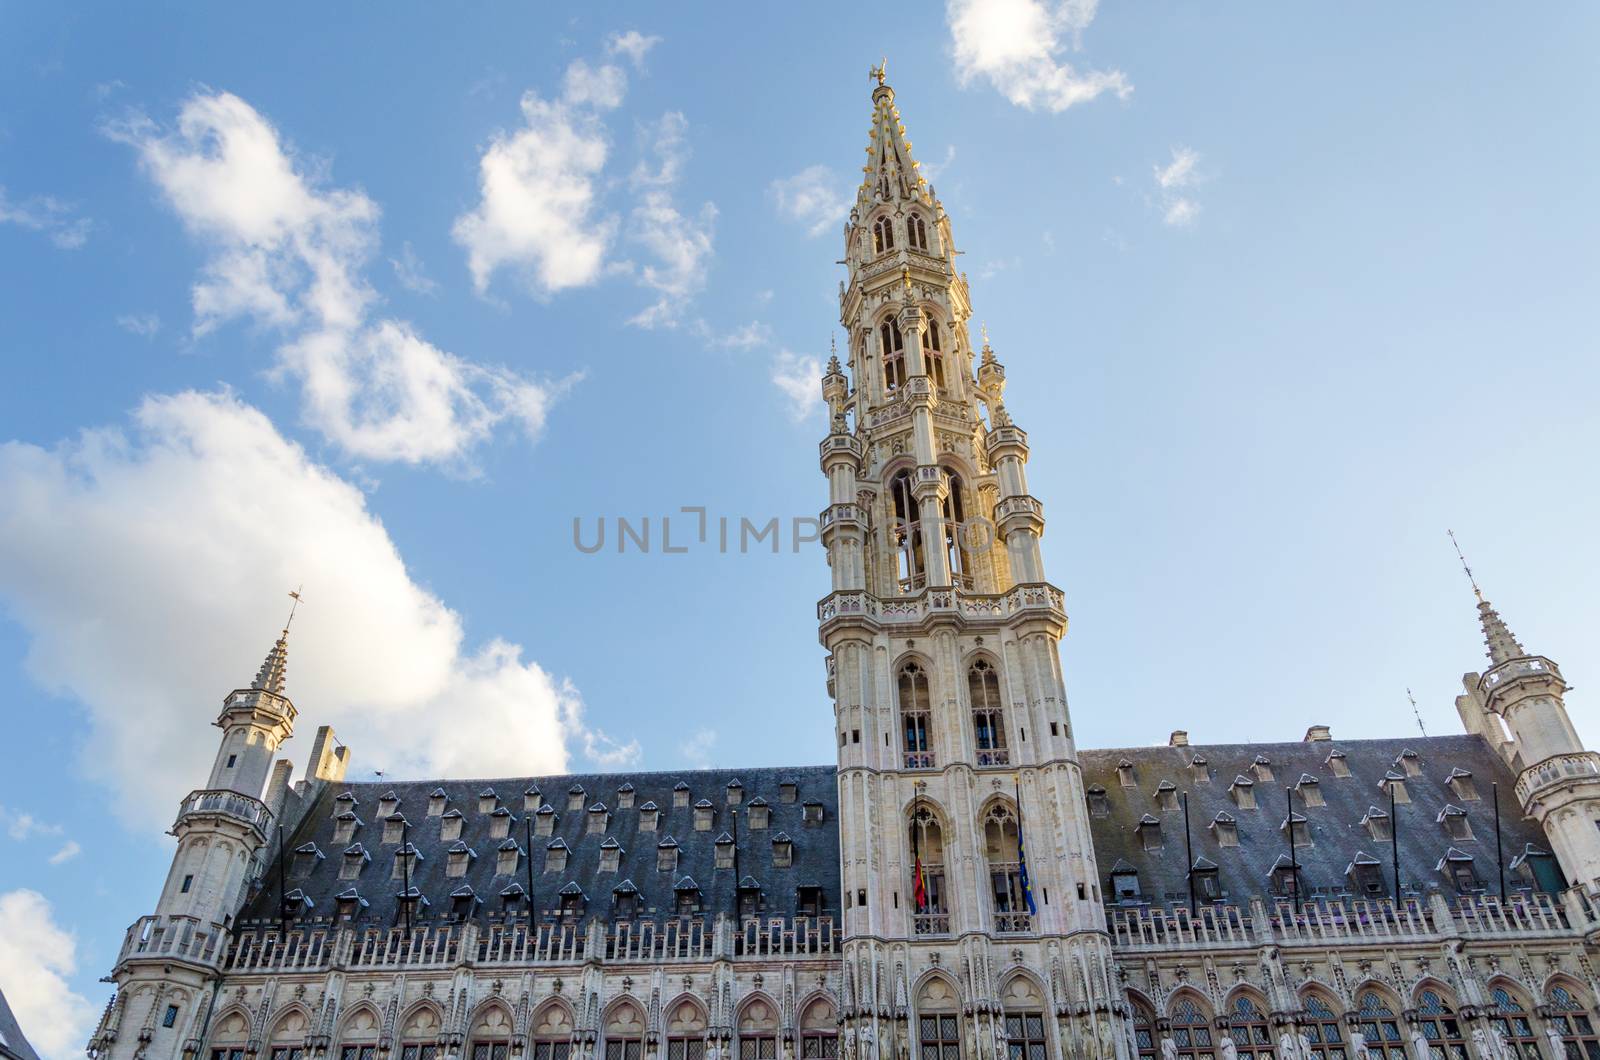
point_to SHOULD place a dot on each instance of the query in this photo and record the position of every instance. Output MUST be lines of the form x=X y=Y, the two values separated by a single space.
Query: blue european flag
x=1022 y=866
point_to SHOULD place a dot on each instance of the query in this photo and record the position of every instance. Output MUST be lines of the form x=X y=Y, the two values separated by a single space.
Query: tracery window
x=988 y=719
x=1510 y=1019
x=1379 y=1026
x=910 y=570
x=938 y=1021
x=625 y=1033
x=686 y=1033
x=1001 y=852
x=933 y=353
x=1191 y=1031
x=915 y=717
x=930 y=915
x=819 y=1032
x=882 y=235
x=758 y=1031
x=419 y=1038
x=955 y=537
x=1440 y=1027
x=916 y=232
x=1323 y=1030
x=1024 y=1008
x=894 y=355
x=491 y=1035
x=1570 y=1020
x=1144 y=1031
x=1247 y=1026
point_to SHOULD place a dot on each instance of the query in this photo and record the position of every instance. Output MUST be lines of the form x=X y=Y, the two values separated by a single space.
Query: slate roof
x=815 y=850
x=1337 y=834
x=13 y=1045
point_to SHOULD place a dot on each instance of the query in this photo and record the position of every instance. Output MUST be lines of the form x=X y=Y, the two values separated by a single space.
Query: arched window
x=894 y=354
x=933 y=353
x=819 y=1031
x=938 y=1021
x=491 y=1035
x=1191 y=1031
x=988 y=719
x=1572 y=1022
x=1247 y=1026
x=1508 y=1016
x=1440 y=1027
x=915 y=717
x=1378 y=1025
x=552 y=1033
x=1323 y=1030
x=359 y=1039
x=882 y=235
x=419 y=1035
x=917 y=232
x=758 y=1031
x=1002 y=852
x=1144 y=1030
x=1024 y=1009
x=625 y=1032
x=910 y=571
x=686 y=1032
x=955 y=535
x=289 y=1038
x=929 y=913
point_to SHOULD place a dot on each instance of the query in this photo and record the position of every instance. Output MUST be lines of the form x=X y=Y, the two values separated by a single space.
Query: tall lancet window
x=910 y=571
x=955 y=535
x=930 y=912
x=934 y=355
x=988 y=720
x=1002 y=852
x=894 y=355
x=916 y=232
x=882 y=235
x=915 y=717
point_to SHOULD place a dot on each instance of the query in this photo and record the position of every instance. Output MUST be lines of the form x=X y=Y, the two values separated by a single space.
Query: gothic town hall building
x=965 y=883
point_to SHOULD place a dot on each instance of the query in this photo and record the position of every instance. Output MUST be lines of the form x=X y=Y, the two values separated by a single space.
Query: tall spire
x=890 y=172
x=1497 y=637
x=274 y=669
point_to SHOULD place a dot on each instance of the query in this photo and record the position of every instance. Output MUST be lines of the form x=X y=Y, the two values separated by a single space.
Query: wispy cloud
x=696 y=749
x=798 y=378
x=633 y=44
x=144 y=325
x=1174 y=183
x=69 y=850
x=814 y=197
x=408 y=269
x=1017 y=46
x=57 y=220
x=23 y=826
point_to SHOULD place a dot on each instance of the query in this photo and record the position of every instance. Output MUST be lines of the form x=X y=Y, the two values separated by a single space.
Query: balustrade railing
x=243 y=808
x=930 y=923
x=920 y=602
x=172 y=937
x=1583 y=765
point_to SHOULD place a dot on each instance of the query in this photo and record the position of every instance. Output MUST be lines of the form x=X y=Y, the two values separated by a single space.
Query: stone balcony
x=173 y=938
x=1582 y=766
x=223 y=803
x=1037 y=597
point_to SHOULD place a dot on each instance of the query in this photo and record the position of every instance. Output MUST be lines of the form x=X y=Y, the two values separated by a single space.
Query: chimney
x=329 y=757
x=1318 y=733
x=1179 y=738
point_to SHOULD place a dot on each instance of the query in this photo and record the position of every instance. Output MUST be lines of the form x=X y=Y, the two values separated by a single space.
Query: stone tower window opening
x=883 y=231
x=988 y=716
x=955 y=538
x=894 y=355
x=925 y=844
x=1001 y=849
x=916 y=232
x=933 y=353
x=906 y=526
x=916 y=717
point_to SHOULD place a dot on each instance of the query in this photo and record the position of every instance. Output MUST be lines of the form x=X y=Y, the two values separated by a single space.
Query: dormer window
x=572 y=902
x=1226 y=829
x=1337 y=764
x=1263 y=768
x=544 y=822
x=599 y=819
x=436 y=802
x=507 y=858
x=1395 y=784
x=1461 y=785
x=345 y=825
x=450 y=825
x=667 y=855
x=555 y=855
x=487 y=801
x=1409 y=763
x=686 y=895
x=782 y=851
x=1310 y=790
x=1366 y=874
x=1207 y=886
x=680 y=795
x=349 y=903
x=1200 y=769
x=1455 y=822
x=1537 y=868
x=1125 y=775
x=749 y=898
x=735 y=792
x=625 y=797
x=1296 y=828
x=624 y=901
x=1286 y=879
x=649 y=814
x=511 y=895
x=811 y=812
x=464 y=901
x=1099 y=802
x=500 y=823
x=1376 y=822
x=1166 y=796
x=788 y=791
x=759 y=815
x=532 y=799
x=704 y=814
x=345 y=800
x=808 y=900
x=575 y=798
x=458 y=859
x=405 y=862
x=610 y=855
x=1125 y=883
x=724 y=851
x=296 y=903
x=306 y=859
x=1149 y=830
x=1456 y=865
x=1243 y=791
x=354 y=860
x=388 y=802
x=394 y=828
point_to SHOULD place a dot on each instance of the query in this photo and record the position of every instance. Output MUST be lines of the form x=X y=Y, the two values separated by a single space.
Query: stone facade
x=965 y=884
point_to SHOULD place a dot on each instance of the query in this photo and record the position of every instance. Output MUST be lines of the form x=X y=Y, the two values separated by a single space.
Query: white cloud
x=290 y=254
x=144 y=325
x=49 y=215
x=1174 y=181
x=601 y=87
x=744 y=337
x=932 y=171
x=680 y=245
x=814 y=197
x=148 y=620
x=36 y=958
x=23 y=826
x=69 y=850
x=408 y=269
x=798 y=377
x=1016 y=46
x=696 y=749
x=633 y=44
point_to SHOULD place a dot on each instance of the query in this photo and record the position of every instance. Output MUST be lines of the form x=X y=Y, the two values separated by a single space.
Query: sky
x=379 y=306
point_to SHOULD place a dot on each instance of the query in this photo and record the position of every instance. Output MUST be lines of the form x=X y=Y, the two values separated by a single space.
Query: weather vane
x=1415 y=712
x=881 y=71
x=295 y=596
x=1475 y=590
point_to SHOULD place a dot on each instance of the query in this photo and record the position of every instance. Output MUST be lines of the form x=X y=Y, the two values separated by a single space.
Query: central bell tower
x=972 y=906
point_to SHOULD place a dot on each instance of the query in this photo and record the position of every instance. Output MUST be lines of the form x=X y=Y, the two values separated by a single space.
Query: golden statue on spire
x=881 y=71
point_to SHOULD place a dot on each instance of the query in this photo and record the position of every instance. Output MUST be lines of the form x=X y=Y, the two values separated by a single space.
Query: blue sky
x=1282 y=294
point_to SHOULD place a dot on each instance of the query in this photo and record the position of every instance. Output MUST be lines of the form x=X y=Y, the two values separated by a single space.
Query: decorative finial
x=881 y=71
x=1474 y=582
x=983 y=328
x=295 y=596
x=1415 y=712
